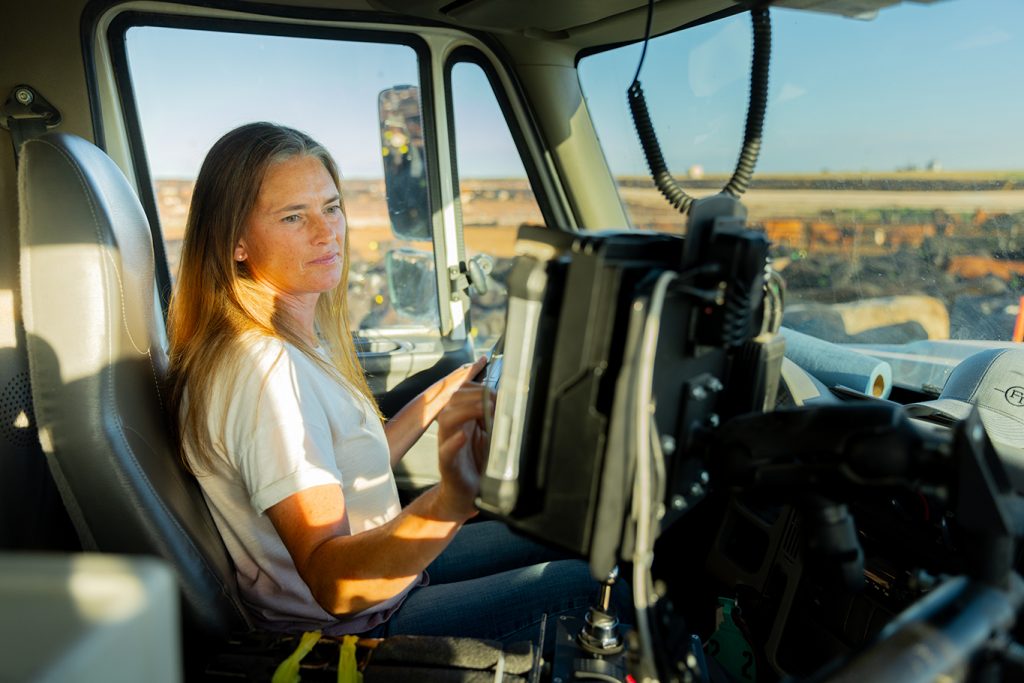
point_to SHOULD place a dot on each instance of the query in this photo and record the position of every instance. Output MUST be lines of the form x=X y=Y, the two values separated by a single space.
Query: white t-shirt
x=280 y=424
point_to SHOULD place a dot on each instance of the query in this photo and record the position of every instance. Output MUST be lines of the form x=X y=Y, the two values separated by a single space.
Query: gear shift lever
x=600 y=632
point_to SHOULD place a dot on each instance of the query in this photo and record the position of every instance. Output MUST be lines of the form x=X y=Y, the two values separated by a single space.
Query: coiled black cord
x=736 y=318
x=668 y=186
x=740 y=180
x=762 y=26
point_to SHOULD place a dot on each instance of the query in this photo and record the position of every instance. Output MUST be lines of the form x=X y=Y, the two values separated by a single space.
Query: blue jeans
x=493 y=584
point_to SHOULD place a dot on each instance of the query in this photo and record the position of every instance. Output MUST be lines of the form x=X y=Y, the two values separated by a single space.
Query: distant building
x=934 y=166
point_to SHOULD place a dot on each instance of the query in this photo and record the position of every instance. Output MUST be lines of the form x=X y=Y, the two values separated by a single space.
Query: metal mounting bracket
x=27 y=114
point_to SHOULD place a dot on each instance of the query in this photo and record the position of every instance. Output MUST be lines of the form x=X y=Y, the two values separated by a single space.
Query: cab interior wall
x=57 y=73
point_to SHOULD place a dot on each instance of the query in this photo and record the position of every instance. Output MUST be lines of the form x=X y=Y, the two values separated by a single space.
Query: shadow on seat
x=97 y=362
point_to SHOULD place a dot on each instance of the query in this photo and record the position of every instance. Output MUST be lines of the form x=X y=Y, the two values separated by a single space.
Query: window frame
x=117 y=128
x=116 y=36
x=469 y=54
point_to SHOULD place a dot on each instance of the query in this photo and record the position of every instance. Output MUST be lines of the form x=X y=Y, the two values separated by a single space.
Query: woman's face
x=294 y=238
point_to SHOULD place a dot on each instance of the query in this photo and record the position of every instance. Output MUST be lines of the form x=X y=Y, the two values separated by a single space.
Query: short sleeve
x=277 y=433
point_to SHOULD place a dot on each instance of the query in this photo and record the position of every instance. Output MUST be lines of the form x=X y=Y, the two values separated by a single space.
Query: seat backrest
x=97 y=363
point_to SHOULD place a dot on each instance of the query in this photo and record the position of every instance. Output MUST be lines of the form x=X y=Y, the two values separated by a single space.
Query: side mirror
x=412 y=285
x=404 y=157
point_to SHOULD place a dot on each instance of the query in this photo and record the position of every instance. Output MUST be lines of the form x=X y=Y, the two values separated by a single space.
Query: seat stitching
x=156 y=382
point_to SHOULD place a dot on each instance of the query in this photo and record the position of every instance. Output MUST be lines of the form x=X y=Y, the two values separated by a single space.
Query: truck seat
x=97 y=362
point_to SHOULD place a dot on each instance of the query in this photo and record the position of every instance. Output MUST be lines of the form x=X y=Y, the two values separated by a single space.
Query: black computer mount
x=827 y=457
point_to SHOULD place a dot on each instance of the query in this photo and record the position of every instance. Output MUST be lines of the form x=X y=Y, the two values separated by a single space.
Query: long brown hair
x=216 y=302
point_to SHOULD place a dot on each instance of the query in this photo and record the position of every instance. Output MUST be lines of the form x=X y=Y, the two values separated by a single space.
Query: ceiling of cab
x=523 y=15
x=578 y=23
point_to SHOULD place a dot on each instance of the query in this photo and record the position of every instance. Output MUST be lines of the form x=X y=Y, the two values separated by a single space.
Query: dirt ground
x=957 y=245
x=648 y=206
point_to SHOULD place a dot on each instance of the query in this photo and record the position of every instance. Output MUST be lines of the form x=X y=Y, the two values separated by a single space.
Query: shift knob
x=600 y=632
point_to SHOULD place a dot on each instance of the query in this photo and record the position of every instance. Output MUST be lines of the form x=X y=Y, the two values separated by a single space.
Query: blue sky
x=943 y=81
x=193 y=86
x=919 y=82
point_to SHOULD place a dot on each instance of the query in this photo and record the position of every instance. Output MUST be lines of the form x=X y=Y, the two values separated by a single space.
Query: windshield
x=890 y=178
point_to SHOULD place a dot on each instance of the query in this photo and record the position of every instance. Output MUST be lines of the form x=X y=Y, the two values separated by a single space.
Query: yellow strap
x=347 y=671
x=288 y=670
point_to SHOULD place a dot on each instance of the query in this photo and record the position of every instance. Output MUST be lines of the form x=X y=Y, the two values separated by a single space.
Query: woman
x=280 y=427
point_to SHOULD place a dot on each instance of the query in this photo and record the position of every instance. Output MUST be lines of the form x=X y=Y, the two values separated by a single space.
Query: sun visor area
x=857 y=9
x=556 y=20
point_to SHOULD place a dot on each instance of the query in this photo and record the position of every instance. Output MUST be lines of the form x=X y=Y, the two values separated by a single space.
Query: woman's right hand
x=462 y=447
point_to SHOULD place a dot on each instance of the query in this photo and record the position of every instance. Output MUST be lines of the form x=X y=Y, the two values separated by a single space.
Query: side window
x=495 y=194
x=192 y=86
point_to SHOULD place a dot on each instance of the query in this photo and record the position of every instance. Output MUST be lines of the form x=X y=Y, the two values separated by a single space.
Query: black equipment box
x=573 y=304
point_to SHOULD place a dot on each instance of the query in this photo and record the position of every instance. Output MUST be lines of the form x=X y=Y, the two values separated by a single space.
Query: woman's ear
x=240 y=253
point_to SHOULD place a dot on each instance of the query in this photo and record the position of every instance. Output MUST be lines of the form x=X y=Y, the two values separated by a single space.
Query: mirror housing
x=479 y=269
x=405 y=163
